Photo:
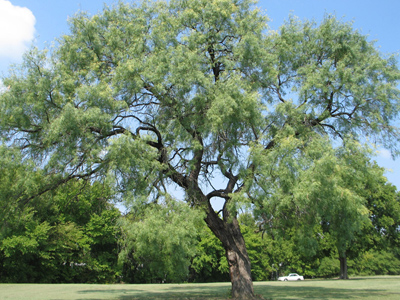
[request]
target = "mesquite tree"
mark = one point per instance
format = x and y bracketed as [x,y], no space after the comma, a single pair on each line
[194,93]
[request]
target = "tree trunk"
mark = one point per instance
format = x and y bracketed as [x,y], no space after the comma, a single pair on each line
[228,232]
[343,266]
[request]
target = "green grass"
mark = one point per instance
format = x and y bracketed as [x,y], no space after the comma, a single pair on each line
[380,287]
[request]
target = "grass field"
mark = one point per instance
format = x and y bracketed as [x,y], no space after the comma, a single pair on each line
[385,287]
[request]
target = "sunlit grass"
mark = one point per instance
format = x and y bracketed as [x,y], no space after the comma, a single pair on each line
[378,287]
[387,288]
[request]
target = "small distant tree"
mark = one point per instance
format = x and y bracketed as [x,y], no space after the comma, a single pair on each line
[195,94]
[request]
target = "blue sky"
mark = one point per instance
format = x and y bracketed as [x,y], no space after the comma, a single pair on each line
[40,22]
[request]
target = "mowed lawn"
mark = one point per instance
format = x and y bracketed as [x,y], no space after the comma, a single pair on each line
[379,287]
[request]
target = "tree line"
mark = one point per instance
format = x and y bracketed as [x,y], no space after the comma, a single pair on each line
[76,235]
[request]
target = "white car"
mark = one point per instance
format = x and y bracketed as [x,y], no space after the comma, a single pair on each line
[292,276]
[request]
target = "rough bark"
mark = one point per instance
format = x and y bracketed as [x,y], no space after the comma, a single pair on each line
[228,232]
[343,266]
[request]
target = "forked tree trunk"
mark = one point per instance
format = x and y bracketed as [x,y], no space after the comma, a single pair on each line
[343,266]
[228,232]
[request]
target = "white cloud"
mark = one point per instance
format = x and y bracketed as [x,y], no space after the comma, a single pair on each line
[17,29]
[384,153]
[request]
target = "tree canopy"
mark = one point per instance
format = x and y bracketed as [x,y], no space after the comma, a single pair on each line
[201,95]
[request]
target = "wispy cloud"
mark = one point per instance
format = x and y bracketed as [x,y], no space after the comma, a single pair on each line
[384,153]
[17,29]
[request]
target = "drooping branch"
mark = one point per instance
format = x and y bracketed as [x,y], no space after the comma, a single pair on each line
[54,185]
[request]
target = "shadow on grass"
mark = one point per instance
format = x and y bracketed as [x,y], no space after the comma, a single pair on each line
[166,293]
[269,291]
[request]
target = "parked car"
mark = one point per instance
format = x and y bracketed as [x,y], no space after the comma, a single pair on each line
[291,276]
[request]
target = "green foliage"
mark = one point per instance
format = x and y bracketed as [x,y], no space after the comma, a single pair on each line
[318,190]
[257,247]
[158,243]
[189,78]
[331,61]
[24,257]
[69,235]
[209,263]
[272,256]
[377,263]
[383,202]
[329,267]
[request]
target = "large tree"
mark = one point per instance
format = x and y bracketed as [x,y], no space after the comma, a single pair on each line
[194,93]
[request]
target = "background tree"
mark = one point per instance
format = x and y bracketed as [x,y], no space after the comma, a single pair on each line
[158,243]
[195,94]
[209,264]
[383,202]
[321,195]
[380,240]
[68,235]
